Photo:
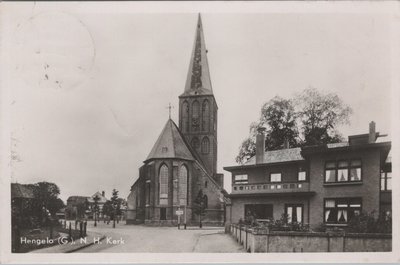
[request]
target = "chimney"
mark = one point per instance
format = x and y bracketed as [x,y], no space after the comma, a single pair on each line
[260,145]
[286,144]
[103,193]
[372,133]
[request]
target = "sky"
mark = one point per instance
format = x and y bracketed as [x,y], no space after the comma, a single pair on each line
[88,91]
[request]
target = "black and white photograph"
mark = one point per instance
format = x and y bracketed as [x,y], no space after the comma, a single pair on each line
[207,132]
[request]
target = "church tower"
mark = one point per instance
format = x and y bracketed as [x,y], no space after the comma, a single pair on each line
[197,106]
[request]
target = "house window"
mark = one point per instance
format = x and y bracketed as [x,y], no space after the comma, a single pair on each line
[330,172]
[294,213]
[301,175]
[163,180]
[343,171]
[386,181]
[340,211]
[241,179]
[275,177]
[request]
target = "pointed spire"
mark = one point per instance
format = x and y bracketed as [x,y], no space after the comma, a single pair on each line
[198,80]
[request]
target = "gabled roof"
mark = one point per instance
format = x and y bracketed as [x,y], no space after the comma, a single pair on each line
[101,197]
[170,144]
[77,199]
[21,191]
[278,156]
[198,81]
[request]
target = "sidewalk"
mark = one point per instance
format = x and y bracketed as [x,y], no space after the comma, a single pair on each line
[68,247]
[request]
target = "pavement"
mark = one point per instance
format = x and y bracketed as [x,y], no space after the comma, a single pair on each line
[139,238]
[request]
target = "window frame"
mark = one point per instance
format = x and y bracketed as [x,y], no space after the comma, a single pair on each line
[385,179]
[295,205]
[165,197]
[349,167]
[300,170]
[336,199]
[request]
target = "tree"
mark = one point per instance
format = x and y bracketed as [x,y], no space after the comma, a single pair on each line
[319,115]
[310,118]
[108,209]
[279,117]
[116,204]
[200,206]
[95,208]
[47,201]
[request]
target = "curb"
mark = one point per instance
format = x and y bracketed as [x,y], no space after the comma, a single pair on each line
[84,246]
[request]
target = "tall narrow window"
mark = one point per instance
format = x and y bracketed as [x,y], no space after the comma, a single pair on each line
[185,117]
[330,172]
[205,145]
[183,185]
[163,180]
[343,171]
[195,143]
[205,124]
[195,115]
[386,181]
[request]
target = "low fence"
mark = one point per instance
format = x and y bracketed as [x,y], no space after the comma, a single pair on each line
[263,240]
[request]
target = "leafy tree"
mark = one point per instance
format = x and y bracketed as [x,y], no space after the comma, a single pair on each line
[46,194]
[319,116]
[200,206]
[116,205]
[95,208]
[279,117]
[108,209]
[310,118]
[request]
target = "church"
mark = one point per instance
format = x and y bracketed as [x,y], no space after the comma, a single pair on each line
[178,182]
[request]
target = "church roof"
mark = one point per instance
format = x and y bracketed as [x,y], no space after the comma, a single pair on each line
[198,80]
[170,144]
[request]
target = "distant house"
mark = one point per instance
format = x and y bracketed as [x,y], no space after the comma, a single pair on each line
[22,199]
[102,200]
[326,184]
[76,207]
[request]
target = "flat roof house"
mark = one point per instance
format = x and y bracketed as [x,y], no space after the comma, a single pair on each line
[315,184]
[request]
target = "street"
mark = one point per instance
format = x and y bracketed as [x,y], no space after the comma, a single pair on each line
[140,238]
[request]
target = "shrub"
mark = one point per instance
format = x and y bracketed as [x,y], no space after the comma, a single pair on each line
[367,223]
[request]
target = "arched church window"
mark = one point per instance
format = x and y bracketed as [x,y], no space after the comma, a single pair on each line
[163,180]
[205,124]
[185,117]
[195,143]
[205,145]
[205,201]
[195,115]
[183,185]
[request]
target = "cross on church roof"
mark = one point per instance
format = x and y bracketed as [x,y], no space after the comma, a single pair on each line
[169,109]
